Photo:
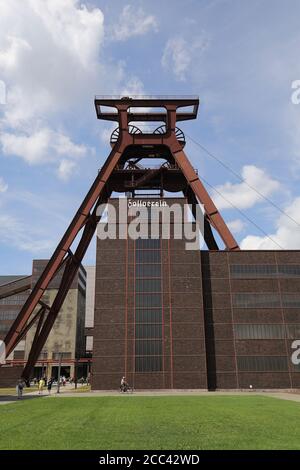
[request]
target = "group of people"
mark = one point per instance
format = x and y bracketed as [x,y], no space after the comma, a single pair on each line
[42,383]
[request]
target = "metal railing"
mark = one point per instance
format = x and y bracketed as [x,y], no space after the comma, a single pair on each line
[147,97]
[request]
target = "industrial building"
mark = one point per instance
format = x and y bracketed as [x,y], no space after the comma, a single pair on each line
[199,319]
[66,342]
[166,317]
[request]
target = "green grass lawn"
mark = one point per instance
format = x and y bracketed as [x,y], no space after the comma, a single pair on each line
[165,422]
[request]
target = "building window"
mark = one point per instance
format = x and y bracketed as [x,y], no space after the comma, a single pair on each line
[256,271]
[148,285]
[255,300]
[262,363]
[147,244]
[148,306]
[147,270]
[148,300]
[148,331]
[293,331]
[244,331]
[4,328]
[19,299]
[151,315]
[148,363]
[19,355]
[291,300]
[9,315]
[147,256]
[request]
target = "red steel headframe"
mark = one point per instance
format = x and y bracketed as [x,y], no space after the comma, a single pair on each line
[123,110]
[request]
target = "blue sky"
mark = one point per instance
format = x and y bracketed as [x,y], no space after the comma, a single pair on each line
[240,57]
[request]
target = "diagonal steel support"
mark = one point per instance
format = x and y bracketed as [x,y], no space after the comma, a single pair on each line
[208,234]
[55,263]
[212,213]
[66,282]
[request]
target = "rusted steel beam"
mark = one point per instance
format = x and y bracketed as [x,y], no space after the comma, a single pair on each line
[30,324]
[208,234]
[211,211]
[67,279]
[57,258]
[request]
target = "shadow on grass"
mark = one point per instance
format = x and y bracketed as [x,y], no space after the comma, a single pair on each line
[12,398]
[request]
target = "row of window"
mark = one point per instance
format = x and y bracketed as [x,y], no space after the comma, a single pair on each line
[153,315]
[147,244]
[148,300]
[148,363]
[147,256]
[4,328]
[148,331]
[147,270]
[262,363]
[241,271]
[151,347]
[265,300]
[251,331]
[148,285]
[14,300]
[148,336]
[9,315]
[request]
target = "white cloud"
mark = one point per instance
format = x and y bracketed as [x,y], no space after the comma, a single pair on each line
[14,233]
[241,195]
[66,169]
[40,147]
[133,22]
[286,235]
[51,63]
[49,55]
[3,185]
[179,53]
[134,86]
[236,225]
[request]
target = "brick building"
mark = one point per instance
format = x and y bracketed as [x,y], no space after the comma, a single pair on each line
[167,317]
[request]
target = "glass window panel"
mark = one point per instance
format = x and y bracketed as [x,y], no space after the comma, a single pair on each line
[9,315]
[148,331]
[148,316]
[14,300]
[147,300]
[147,244]
[293,331]
[240,271]
[262,363]
[291,300]
[148,364]
[249,300]
[147,256]
[244,331]
[148,285]
[147,270]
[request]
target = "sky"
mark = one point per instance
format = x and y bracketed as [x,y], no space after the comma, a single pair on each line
[241,58]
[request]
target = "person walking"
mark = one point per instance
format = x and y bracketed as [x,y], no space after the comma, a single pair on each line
[20,387]
[49,386]
[41,386]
